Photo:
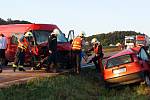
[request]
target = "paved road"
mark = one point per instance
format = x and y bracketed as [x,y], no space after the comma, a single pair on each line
[8,77]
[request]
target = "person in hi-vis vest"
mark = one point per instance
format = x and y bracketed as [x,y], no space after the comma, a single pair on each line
[23,45]
[98,54]
[77,45]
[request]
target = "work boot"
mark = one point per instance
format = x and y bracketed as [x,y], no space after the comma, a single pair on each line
[22,69]
[14,67]
[32,69]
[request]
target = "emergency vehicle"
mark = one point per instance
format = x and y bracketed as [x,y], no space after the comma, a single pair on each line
[129,41]
[142,40]
[40,33]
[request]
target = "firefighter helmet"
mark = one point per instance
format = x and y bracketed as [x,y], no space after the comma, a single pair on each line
[82,34]
[94,40]
[28,34]
[55,31]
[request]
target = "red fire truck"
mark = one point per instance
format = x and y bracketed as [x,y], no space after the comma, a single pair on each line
[41,33]
[142,40]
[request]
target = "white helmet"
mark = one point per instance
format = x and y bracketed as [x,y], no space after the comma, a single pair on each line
[55,31]
[94,40]
[28,34]
[82,34]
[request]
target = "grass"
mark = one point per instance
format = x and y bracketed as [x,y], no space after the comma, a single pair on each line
[86,86]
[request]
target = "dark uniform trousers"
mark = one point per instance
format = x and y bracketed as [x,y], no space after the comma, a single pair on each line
[20,57]
[97,62]
[2,58]
[52,59]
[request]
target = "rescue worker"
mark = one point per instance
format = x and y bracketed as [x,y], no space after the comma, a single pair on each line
[34,52]
[77,46]
[23,45]
[3,47]
[52,48]
[98,54]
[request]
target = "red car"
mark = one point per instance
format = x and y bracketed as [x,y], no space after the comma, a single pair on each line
[128,66]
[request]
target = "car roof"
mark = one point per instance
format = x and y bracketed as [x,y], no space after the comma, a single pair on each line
[133,50]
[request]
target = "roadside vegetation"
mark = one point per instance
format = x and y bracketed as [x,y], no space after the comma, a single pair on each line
[112,37]
[86,86]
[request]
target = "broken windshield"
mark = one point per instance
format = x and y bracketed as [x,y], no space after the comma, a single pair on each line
[42,36]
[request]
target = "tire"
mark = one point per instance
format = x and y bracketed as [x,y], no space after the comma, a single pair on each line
[147,80]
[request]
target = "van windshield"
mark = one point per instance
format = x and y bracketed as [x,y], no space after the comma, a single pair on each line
[42,36]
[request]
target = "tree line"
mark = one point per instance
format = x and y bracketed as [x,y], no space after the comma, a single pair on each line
[10,21]
[112,37]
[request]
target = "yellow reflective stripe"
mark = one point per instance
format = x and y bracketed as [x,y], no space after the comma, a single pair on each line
[14,66]
[22,47]
[20,66]
[78,48]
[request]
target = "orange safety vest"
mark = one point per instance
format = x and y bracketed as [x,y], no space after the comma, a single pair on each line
[23,44]
[77,43]
[35,50]
[96,49]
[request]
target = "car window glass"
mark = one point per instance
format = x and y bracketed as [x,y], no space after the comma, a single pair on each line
[41,36]
[61,38]
[143,55]
[119,61]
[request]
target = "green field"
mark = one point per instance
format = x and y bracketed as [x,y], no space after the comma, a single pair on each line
[86,86]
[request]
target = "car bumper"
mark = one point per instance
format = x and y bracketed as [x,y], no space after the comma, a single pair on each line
[126,79]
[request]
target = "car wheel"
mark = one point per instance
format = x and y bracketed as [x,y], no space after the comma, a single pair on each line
[147,80]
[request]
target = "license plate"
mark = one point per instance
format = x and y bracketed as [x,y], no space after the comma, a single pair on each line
[121,70]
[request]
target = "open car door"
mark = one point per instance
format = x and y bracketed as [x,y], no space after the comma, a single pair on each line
[71,36]
[70,39]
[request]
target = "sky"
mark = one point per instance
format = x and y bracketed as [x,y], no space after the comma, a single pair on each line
[91,16]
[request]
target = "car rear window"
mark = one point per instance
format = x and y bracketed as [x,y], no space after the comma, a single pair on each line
[119,61]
